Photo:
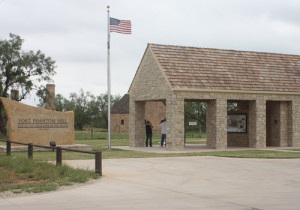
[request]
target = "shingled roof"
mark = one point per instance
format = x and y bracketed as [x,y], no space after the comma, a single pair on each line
[122,107]
[216,69]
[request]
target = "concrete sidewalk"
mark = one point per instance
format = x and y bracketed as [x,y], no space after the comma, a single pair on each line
[190,148]
[177,183]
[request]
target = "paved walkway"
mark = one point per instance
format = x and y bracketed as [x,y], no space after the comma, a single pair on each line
[177,183]
[189,148]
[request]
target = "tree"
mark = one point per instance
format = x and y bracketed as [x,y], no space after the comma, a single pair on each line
[88,109]
[81,111]
[59,104]
[103,100]
[195,111]
[22,71]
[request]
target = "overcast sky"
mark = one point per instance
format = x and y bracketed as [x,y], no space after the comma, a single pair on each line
[74,33]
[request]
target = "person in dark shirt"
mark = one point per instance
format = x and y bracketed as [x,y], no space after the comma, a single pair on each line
[149,133]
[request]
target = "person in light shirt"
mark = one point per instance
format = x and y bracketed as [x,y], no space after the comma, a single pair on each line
[163,132]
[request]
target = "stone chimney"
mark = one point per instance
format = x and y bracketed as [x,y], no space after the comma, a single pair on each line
[14,95]
[50,98]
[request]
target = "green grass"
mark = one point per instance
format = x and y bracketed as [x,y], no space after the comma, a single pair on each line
[101,144]
[296,150]
[24,175]
[253,154]
[123,140]
[98,134]
[195,135]
[119,153]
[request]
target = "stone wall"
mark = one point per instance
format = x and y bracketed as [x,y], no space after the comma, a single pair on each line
[155,111]
[284,123]
[149,84]
[210,123]
[28,124]
[175,123]
[137,124]
[120,123]
[50,97]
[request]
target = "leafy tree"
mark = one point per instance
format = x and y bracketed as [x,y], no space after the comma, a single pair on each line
[195,111]
[231,106]
[21,70]
[81,111]
[88,109]
[59,103]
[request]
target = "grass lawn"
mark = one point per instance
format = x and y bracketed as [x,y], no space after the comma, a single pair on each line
[24,175]
[83,137]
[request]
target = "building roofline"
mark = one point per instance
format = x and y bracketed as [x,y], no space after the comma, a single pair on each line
[222,49]
[233,91]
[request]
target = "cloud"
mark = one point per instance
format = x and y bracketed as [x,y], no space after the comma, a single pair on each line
[74,32]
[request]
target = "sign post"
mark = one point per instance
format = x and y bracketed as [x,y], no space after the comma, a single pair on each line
[192,124]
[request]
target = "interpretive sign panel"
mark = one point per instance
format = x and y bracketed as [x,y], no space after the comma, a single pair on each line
[39,126]
[237,123]
[192,123]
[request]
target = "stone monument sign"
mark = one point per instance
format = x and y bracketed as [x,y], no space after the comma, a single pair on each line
[28,124]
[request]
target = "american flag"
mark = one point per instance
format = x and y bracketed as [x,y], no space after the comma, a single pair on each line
[120,26]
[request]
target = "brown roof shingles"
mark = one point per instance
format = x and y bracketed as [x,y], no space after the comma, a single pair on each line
[122,107]
[205,68]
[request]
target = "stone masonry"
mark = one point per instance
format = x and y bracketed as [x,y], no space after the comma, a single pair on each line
[152,83]
[155,111]
[120,123]
[50,98]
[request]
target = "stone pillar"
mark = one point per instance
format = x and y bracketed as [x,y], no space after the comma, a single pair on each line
[50,97]
[221,119]
[283,123]
[175,123]
[295,127]
[137,123]
[211,124]
[216,124]
[257,123]
[290,124]
[14,95]
[252,124]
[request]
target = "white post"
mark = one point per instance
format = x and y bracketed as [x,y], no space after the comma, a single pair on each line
[108,78]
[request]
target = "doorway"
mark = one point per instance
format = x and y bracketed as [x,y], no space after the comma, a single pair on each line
[195,122]
[273,124]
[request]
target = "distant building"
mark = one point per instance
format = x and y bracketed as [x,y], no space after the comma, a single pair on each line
[120,116]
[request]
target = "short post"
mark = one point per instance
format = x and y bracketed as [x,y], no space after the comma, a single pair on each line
[58,156]
[8,148]
[92,132]
[30,150]
[98,163]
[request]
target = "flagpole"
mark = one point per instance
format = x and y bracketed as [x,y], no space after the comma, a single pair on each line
[108,78]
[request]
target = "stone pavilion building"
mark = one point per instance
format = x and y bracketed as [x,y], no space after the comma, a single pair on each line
[264,88]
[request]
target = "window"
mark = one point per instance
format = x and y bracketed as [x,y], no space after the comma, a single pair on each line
[122,122]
